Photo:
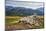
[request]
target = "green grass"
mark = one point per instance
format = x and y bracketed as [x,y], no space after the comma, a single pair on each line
[10,19]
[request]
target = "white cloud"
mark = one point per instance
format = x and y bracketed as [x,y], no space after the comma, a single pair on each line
[27,0]
[24,4]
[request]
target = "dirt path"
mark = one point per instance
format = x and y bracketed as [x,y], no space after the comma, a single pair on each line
[19,26]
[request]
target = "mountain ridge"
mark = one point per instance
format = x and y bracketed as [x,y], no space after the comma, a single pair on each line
[11,11]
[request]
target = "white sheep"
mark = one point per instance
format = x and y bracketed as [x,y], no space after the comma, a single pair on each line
[27,19]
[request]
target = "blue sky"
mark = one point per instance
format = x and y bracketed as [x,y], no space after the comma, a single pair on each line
[30,4]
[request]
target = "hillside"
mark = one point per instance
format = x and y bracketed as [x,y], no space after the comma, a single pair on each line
[21,11]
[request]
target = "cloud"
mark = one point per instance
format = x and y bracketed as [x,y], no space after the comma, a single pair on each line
[18,0]
[24,4]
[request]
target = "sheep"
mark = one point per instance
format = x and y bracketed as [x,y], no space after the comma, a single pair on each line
[26,20]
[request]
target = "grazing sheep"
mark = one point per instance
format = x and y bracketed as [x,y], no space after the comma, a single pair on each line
[26,20]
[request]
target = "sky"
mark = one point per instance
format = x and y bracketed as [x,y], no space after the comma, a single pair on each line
[28,0]
[29,4]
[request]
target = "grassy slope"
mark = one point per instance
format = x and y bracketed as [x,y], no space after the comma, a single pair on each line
[13,19]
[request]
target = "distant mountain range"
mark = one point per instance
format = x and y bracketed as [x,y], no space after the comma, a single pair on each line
[22,11]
